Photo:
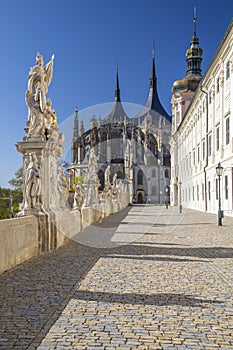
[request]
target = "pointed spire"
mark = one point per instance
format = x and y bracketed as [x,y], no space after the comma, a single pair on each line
[195,22]
[153,74]
[117,112]
[117,89]
[75,136]
[82,129]
[194,53]
[153,102]
[76,128]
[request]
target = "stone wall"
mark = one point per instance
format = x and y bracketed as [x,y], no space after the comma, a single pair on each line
[18,241]
[26,237]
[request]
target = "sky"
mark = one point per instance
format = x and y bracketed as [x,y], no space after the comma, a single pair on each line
[88,39]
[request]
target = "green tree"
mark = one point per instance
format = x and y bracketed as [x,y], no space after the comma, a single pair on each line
[78,179]
[17,181]
[4,203]
[17,192]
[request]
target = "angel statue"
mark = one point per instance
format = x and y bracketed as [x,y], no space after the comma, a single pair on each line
[39,78]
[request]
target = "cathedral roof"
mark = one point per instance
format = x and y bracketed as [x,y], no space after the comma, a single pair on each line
[153,106]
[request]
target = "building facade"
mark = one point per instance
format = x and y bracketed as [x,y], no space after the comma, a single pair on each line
[136,149]
[202,130]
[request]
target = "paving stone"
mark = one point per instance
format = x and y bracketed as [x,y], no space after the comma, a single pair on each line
[171,288]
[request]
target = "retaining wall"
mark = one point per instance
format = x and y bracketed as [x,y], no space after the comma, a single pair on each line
[29,236]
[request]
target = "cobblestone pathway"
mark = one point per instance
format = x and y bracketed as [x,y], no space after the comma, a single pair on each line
[164,282]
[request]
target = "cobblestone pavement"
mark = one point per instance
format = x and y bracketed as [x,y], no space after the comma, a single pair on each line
[169,287]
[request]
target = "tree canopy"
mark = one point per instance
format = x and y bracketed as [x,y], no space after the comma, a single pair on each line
[10,198]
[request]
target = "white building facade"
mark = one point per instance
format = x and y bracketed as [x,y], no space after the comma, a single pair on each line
[202,131]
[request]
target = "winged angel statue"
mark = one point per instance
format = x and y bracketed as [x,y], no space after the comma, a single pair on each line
[39,78]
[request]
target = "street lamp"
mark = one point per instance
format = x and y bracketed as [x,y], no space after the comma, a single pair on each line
[180,197]
[166,190]
[219,170]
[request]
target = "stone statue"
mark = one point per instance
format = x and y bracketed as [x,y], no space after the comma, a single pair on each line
[78,196]
[92,164]
[38,81]
[114,187]
[114,181]
[107,185]
[63,187]
[107,177]
[49,116]
[52,131]
[91,182]
[32,184]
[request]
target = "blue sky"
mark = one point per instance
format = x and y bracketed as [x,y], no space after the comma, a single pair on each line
[88,38]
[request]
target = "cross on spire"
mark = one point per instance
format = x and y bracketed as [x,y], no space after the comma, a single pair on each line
[195,21]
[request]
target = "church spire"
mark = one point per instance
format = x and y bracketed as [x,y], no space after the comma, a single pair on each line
[76,128]
[117,89]
[75,137]
[194,53]
[117,113]
[195,22]
[153,74]
[153,101]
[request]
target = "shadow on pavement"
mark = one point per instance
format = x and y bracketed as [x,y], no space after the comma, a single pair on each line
[134,250]
[159,299]
[34,294]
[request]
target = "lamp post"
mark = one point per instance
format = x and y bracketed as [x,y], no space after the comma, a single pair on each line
[219,170]
[166,190]
[180,197]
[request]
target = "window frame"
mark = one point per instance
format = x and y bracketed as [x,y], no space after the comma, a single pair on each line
[227,130]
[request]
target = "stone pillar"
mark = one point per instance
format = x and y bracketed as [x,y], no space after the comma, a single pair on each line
[41,146]
[46,154]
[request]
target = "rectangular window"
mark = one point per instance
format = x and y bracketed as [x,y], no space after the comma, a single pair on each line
[217,85]
[217,138]
[198,192]
[209,145]
[203,150]
[227,70]
[210,99]
[209,190]
[198,154]
[216,184]
[203,106]
[226,187]
[227,131]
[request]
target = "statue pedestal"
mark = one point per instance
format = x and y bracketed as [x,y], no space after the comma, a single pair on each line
[46,154]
